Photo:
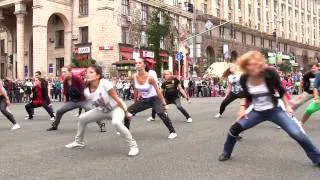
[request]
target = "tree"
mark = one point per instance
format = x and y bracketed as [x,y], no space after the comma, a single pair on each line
[156,32]
[285,67]
[264,52]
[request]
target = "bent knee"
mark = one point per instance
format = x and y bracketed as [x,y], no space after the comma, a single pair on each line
[236,129]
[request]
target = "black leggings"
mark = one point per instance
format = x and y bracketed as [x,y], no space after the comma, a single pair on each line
[176,102]
[4,110]
[154,103]
[229,99]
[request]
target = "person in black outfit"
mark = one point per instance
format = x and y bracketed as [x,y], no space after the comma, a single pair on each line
[40,98]
[171,88]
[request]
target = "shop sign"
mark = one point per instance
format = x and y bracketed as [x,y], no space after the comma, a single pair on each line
[148,54]
[84,50]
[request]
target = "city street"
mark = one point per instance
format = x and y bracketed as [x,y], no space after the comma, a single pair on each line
[265,152]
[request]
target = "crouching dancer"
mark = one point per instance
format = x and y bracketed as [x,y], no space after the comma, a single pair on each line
[107,104]
[260,85]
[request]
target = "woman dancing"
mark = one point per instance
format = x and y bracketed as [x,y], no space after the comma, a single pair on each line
[4,103]
[234,90]
[107,104]
[151,97]
[260,85]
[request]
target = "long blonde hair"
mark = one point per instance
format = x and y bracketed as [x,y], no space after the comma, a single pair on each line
[244,59]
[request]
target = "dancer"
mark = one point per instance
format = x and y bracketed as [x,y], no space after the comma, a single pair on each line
[45,85]
[153,74]
[234,90]
[151,97]
[40,98]
[74,97]
[171,88]
[4,104]
[260,85]
[315,105]
[307,86]
[107,104]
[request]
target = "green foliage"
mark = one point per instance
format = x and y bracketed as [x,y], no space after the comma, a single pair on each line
[155,32]
[285,67]
[264,52]
[81,63]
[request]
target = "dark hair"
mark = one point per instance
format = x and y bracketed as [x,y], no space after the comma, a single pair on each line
[97,69]
[313,64]
[38,72]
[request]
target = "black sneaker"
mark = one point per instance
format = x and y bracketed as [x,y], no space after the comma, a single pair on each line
[224,157]
[52,129]
[103,127]
[239,137]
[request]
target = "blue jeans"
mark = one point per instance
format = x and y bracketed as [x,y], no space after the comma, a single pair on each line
[281,118]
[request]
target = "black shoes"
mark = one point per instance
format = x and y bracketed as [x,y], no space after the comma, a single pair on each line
[224,157]
[52,128]
[103,127]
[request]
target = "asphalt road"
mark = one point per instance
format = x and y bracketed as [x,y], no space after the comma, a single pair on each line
[264,153]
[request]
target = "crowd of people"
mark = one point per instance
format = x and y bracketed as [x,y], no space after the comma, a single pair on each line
[264,92]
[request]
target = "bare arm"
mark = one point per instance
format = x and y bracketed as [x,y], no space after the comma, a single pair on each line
[228,88]
[112,93]
[4,92]
[159,93]
[182,91]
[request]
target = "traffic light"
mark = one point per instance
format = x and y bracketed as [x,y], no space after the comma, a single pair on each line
[11,59]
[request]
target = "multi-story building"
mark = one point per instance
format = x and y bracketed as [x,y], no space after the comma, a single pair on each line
[45,35]
[291,27]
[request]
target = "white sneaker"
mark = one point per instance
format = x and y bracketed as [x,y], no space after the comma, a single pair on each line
[218,115]
[52,119]
[16,126]
[278,127]
[76,115]
[150,119]
[33,115]
[172,135]
[75,145]
[189,120]
[133,151]
[118,133]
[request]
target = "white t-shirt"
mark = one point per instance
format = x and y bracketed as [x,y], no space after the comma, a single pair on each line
[100,97]
[234,80]
[261,98]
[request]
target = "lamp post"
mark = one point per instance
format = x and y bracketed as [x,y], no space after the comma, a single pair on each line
[194,73]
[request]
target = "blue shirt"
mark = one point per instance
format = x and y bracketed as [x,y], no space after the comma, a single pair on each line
[317,82]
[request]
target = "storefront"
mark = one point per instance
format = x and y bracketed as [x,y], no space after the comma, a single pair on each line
[82,55]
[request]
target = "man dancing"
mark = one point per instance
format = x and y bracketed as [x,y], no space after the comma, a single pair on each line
[74,97]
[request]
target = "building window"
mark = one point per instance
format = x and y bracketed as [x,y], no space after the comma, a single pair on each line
[270,44]
[221,31]
[262,42]
[84,32]
[125,7]
[244,38]
[160,17]
[83,7]
[125,35]
[2,46]
[144,40]
[144,12]
[161,43]
[253,40]
[205,8]
[59,39]
[285,47]
[176,21]
[59,65]
[175,2]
